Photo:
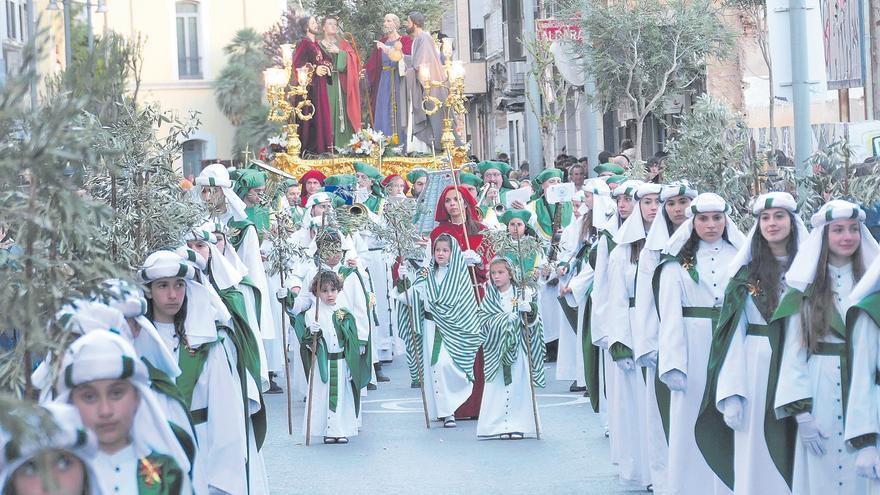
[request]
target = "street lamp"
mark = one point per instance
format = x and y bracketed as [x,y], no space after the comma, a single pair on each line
[455,97]
[68,49]
[279,92]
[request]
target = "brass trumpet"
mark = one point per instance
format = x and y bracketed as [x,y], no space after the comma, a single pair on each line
[356,209]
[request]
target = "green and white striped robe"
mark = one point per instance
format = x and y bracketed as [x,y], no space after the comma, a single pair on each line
[505,339]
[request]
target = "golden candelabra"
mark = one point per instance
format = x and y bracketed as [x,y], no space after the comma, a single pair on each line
[280,91]
[455,98]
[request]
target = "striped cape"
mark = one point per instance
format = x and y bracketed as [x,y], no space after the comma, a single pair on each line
[505,339]
[453,309]
[404,330]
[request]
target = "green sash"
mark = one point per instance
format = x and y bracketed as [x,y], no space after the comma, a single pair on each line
[159,474]
[162,384]
[592,356]
[544,213]
[237,231]
[191,367]
[259,216]
[374,203]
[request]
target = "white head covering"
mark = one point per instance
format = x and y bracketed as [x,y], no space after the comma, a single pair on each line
[628,187]
[704,203]
[229,252]
[106,356]
[217,175]
[803,269]
[223,272]
[68,435]
[603,206]
[201,308]
[307,220]
[659,233]
[633,227]
[761,203]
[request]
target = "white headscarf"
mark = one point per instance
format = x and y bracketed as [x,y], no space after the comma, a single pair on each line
[628,187]
[201,308]
[217,175]
[659,233]
[633,227]
[69,435]
[802,272]
[704,203]
[769,200]
[604,207]
[107,356]
[223,272]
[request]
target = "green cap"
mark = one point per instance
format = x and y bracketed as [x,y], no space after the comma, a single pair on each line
[416,174]
[489,164]
[545,175]
[615,179]
[604,168]
[368,170]
[470,179]
[509,215]
[248,179]
[341,180]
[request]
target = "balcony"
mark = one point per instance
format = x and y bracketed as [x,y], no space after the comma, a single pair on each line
[516,76]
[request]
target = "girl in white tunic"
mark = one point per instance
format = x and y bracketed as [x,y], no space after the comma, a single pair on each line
[599,326]
[506,411]
[737,431]
[691,288]
[862,413]
[813,379]
[628,400]
[447,320]
[185,316]
[676,199]
[343,368]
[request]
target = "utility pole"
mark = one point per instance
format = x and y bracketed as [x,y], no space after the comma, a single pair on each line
[533,130]
[873,54]
[68,49]
[800,90]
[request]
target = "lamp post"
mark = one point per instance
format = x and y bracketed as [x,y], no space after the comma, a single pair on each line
[279,92]
[68,49]
[455,98]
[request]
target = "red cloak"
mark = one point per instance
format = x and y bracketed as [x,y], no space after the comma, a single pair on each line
[316,134]
[351,85]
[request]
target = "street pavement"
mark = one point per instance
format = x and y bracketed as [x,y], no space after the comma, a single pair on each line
[395,454]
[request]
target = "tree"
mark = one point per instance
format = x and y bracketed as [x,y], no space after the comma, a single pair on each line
[710,150]
[554,94]
[239,91]
[643,52]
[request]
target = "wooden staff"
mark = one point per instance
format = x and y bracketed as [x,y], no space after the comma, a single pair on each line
[286,360]
[417,350]
[467,241]
[528,342]
[314,338]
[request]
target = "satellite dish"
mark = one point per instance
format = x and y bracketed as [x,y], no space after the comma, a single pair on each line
[568,62]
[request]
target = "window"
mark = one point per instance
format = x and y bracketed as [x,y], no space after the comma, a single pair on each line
[188,61]
[193,154]
[513,17]
[12,26]
[478,45]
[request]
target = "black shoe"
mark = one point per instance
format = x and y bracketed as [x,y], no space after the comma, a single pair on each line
[381,377]
[586,393]
[370,386]
[415,384]
[273,388]
[574,387]
[386,361]
[552,350]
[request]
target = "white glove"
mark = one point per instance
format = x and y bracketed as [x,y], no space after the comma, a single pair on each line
[810,433]
[403,270]
[732,408]
[649,360]
[603,343]
[471,257]
[362,349]
[314,327]
[676,380]
[626,364]
[281,293]
[868,463]
[524,306]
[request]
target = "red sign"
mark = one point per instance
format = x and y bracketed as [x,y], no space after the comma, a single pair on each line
[553,29]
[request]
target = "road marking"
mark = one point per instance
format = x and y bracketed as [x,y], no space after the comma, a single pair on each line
[414,405]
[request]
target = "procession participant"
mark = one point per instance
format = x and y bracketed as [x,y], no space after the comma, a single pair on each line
[506,314]
[472,183]
[676,199]
[425,130]
[312,181]
[316,133]
[250,186]
[369,190]
[289,197]
[418,178]
[58,460]
[577,174]
[690,290]
[608,169]
[388,94]
[576,285]
[737,426]
[623,197]
[456,215]
[396,187]
[814,377]
[447,322]
[517,222]
[343,86]
[497,174]
[182,312]
[341,359]
[863,324]
[138,452]
[628,395]
[615,180]
[228,209]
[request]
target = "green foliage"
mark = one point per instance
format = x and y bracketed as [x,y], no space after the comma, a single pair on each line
[239,87]
[254,131]
[710,150]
